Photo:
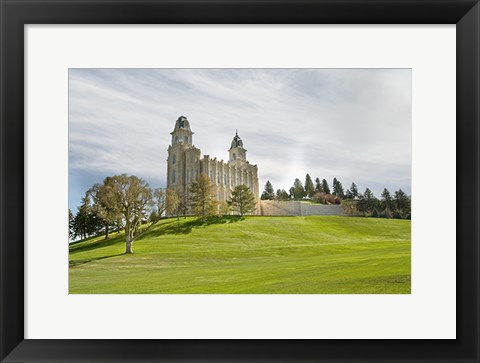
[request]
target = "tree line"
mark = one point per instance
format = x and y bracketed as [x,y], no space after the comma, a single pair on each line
[366,204]
[126,202]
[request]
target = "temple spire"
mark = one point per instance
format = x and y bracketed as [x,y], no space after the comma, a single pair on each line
[182,132]
[237,152]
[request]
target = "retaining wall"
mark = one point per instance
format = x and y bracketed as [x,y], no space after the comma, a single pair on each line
[297,208]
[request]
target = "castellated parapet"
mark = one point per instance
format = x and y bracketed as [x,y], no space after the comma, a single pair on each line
[185,164]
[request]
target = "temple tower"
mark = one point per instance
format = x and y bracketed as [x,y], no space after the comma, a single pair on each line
[236,151]
[181,155]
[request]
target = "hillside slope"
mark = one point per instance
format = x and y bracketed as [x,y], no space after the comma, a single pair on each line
[255,255]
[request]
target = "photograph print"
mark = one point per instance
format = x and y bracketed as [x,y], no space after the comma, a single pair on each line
[240,181]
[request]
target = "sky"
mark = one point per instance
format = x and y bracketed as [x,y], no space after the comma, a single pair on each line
[352,124]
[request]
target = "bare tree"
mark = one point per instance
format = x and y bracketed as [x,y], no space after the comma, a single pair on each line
[105,207]
[183,203]
[159,205]
[201,197]
[172,202]
[132,196]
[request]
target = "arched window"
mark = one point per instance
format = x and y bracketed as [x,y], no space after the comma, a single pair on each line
[176,139]
[186,139]
[174,176]
[174,159]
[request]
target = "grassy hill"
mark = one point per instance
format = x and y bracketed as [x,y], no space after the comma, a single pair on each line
[254,255]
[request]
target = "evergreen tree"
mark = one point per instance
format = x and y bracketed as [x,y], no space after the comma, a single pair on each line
[368,195]
[325,187]
[402,204]
[269,193]
[282,194]
[354,191]
[338,188]
[81,219]
[367,203]
[318,186]
[242,200]
[297,191]
[202,199]
[387,201]
[71,225]
[85,221]
[348,194]
[334,186]
[309,188]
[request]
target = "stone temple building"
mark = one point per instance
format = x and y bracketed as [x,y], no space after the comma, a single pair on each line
[185,163]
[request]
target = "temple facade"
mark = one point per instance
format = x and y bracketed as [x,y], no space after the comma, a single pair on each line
[185,163]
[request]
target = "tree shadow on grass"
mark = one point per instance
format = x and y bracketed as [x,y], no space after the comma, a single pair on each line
[76,263]
[91,243]
[83,240]
[82,247]
[185,227]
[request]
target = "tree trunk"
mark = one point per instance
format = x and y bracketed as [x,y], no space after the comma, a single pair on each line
[106,230]
[129,238]
[129,248]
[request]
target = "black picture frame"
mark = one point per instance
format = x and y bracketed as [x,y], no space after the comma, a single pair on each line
[15,14]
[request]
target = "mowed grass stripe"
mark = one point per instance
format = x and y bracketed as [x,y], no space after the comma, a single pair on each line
[315,254]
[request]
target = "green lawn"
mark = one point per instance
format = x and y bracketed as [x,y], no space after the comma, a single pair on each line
[254,255]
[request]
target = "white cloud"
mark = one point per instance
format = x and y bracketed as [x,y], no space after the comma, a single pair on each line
[354,124]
